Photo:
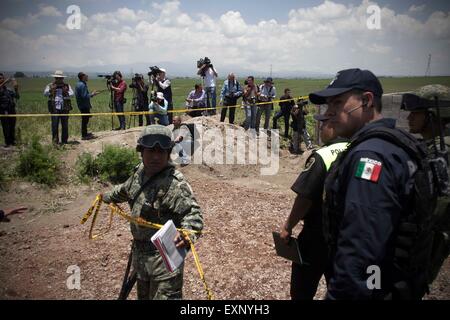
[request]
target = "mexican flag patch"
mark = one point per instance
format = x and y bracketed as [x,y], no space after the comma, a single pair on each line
[369,169]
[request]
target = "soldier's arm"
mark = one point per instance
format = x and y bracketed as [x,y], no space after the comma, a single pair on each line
[372,209]
[119,193]
[181,201]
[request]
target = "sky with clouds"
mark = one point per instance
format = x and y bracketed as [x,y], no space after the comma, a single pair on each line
[293,36]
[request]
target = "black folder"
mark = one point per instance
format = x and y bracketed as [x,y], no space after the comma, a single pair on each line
[288,250]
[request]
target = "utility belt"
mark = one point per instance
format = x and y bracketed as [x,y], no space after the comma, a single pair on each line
[146,246]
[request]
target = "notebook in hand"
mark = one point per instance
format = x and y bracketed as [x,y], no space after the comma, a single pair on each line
[289,250]
[172,256]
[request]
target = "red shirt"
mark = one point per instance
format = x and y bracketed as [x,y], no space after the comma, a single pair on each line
[119,95]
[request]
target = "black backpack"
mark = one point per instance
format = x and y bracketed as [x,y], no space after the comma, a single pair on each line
[422,239]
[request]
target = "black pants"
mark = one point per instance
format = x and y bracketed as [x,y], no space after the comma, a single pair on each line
[286,116]
[223,113]
[9,128]
[305,278]
[64,126]
[84,123]
[119,108]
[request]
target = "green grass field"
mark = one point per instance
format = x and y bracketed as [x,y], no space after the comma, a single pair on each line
[33,101]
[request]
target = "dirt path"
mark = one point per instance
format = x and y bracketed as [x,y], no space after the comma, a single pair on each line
[240,210]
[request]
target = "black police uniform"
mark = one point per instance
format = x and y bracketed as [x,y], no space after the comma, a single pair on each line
[8,106]
[309,184]
[362,214]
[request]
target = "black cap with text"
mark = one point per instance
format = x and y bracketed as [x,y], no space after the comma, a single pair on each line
[347,80]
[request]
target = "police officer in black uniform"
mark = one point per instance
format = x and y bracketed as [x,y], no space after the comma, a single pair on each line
[8,106]
[308,206]
[367,189]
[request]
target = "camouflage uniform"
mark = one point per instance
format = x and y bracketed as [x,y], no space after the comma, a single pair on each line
[167,197]
[429,93]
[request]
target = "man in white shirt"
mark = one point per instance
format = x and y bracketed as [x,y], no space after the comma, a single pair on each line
[183,140]
[59,103]
[160,107]
[209,75]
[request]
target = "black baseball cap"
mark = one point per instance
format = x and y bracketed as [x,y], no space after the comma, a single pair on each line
[347,80]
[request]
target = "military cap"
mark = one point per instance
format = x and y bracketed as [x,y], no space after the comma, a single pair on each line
[424,99]
[155,134]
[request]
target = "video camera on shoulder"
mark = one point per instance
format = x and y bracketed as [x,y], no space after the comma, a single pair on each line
[154,71]
[203,61]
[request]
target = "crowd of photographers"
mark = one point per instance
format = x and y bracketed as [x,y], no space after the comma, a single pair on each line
[155,96]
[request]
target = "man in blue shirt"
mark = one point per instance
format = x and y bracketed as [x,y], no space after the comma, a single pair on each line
[231,92]
[367,190]
[84,103]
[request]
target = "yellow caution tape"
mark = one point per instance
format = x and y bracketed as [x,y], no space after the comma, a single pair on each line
[116,209]
[133,113]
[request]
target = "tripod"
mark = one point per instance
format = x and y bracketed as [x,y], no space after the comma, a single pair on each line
[134,107]
[111,102]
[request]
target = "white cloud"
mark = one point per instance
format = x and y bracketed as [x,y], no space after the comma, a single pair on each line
[31,18]
[415,8]
[232,24]
[323,38]
[48,11]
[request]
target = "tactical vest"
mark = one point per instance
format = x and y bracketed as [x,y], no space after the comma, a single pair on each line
[330,153]
[415,234]
[6,100]
[67,103]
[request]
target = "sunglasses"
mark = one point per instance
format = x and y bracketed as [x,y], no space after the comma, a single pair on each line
[150,141]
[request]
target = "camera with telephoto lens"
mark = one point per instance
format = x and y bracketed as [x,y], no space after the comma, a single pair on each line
[302,102]
[137,77]
[154,71]
[109,79]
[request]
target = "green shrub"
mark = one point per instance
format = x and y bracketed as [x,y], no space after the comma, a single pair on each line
[38,163]
[115,164]
[86,167]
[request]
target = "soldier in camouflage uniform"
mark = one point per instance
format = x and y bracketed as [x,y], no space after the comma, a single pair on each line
[422,119]
[157,193]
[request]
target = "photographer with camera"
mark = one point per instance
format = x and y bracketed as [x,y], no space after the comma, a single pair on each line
[140,97]
[158,78]
[119,86]
[83,98]
[299,127]
[209,74]
[285,111]
[8,106]
[159,105]
[59,104]
[267,93]
[196,99]
[249,99]
[231,92]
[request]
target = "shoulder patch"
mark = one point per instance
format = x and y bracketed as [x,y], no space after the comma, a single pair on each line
[369,169]
[309,163]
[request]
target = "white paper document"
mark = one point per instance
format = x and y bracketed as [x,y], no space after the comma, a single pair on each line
[163,239]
